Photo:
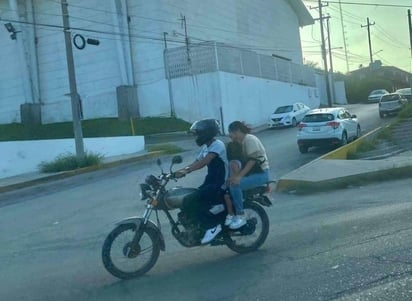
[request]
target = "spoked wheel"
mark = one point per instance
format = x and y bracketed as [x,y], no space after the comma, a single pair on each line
[122,259]
[252,235]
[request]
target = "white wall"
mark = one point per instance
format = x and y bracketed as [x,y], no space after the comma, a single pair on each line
[241,102]
[239,97]
[264,26]
[20,157]
[340,93]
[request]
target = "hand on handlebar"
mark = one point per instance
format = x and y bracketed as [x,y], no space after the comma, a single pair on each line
[180,173]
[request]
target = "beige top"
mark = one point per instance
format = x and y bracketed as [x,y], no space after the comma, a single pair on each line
[253,148]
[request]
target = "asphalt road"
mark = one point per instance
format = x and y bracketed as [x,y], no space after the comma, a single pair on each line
[352,244]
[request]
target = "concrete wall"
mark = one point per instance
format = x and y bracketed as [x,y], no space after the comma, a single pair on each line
[36,72]
[228,97]
[24,156]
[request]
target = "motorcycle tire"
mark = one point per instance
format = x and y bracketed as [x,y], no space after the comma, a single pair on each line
[233,239]
[108,256]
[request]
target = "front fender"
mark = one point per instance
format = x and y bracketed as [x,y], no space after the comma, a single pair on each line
[138,221]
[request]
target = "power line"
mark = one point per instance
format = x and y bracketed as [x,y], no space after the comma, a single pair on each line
[365,4]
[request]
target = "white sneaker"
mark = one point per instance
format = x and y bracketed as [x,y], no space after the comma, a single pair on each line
[211,234]
[237,222]
[229,219]
[216,209]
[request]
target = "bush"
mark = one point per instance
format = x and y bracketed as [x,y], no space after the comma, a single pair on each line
[69,161]
[406,112]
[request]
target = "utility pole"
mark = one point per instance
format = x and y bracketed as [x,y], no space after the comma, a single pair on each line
[169,80]
[368,25]
[325,63]
[75,100]
[332,79]
[344,37]
[410,28]
[410,38]
[183,20]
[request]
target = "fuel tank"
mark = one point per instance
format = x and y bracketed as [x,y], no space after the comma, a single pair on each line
[174,197]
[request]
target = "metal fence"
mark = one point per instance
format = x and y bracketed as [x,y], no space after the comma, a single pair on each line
[211,57]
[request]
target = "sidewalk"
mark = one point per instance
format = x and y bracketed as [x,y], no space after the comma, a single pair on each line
[326,174]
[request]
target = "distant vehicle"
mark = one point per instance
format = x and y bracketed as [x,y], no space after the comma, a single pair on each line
[376,95]
[327,126]
[289,115]
[406,92]
[391,104]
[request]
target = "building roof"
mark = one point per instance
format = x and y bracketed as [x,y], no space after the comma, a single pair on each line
[305,18]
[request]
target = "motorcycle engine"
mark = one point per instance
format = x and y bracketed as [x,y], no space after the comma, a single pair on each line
[192,233]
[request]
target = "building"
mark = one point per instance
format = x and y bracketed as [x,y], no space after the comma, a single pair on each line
[224,59]
[397,77]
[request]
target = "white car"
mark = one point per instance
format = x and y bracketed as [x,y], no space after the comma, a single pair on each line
[376,95]
[327,126]
[289,115]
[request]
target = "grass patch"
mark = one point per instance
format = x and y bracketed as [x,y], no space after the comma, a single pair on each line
[166,148]
[103,127]
[406,112]
[385,134]
[69,162]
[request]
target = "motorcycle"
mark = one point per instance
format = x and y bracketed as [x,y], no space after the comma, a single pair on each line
[132,248]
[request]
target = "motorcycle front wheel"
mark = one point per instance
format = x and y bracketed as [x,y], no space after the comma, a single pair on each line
[252,235]
[122,259]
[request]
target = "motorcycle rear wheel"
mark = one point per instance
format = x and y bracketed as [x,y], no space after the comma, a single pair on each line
[122,260]
[251,236]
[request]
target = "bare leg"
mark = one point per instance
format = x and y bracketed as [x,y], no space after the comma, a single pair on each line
[229,204]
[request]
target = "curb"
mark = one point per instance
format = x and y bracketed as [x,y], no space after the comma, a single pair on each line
[309,187]
[306,187]
[71,173]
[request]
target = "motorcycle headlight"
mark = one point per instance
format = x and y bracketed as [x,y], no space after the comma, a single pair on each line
[145,191]
[152,181]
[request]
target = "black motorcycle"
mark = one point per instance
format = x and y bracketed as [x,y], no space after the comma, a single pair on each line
[134,245]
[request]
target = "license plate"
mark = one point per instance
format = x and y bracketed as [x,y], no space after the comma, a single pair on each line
[316,129]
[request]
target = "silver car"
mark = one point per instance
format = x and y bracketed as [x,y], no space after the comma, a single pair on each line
[391,104]
[376,95]
[406,92]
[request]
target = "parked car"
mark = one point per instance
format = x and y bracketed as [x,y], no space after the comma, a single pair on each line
[406,92]
[327,126]
[391,104]
[289,115]
[376,95]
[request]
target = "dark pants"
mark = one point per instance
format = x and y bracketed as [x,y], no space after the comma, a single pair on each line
[209,195]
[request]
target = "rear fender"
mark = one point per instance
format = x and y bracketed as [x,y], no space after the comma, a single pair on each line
[138,221]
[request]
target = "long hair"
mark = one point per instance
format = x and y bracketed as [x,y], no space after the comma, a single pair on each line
[239,126]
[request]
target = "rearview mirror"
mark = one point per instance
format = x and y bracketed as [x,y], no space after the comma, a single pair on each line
[177,159]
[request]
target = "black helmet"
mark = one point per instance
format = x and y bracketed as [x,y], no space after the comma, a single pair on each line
[205,130]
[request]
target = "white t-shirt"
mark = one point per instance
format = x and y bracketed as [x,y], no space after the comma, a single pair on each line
[218,167]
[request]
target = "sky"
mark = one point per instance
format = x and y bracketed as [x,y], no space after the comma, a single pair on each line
[389,35]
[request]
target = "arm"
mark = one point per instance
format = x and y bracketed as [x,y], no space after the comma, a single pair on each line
[198,164]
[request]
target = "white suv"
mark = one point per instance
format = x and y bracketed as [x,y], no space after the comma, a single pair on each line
[327,126]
